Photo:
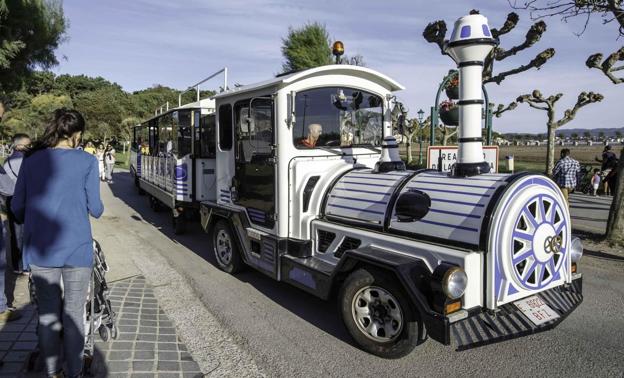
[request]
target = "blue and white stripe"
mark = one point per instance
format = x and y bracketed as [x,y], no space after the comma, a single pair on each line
[457,205]
[363,196]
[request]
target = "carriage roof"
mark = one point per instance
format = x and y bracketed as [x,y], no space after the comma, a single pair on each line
[336,69]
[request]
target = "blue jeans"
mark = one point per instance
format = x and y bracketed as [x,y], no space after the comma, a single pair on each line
[61,309]
[3,265]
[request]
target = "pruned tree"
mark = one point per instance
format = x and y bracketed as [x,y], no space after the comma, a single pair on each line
[355,60]
[435,32]
[447,132]
[608,10]
[537,101]
[414,128]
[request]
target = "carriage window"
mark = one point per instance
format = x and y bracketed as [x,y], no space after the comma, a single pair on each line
[166,125]
[336,116]
[207,136]
[254,129]
[184,133]
[225,127]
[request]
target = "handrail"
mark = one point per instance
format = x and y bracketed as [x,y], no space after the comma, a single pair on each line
[196,86]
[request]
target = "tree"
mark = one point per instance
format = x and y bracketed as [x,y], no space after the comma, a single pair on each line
[435,32]
[538,101]
[618,134]
[30,31]
[601,135]
[306,47]
[608,10]
[586,135]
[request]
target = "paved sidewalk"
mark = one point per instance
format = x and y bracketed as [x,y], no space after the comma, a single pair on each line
[147,344]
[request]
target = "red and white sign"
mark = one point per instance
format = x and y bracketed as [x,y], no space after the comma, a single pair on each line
[447,155]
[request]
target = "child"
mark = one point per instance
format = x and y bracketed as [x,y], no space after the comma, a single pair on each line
[596,181]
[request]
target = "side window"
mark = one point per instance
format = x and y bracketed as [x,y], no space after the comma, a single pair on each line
[254,129]
[225,127]
[208,139]
[184,133]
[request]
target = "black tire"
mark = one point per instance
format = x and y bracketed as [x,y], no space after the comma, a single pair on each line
[407,333]
[155,204]
[225,248]
[179,224]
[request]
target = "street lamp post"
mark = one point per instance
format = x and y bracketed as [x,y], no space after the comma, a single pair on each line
[420,113]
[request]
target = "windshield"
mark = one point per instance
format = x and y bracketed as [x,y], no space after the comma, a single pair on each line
[337,117]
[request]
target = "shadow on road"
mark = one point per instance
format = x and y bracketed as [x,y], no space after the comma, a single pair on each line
[321,314]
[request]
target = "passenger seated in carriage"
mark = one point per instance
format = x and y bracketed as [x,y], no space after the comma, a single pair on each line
[314,132]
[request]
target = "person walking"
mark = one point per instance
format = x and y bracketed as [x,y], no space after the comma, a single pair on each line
[109,163]
[565,173]
[12,165]
[6,314]
[595,181]
[609,162]
[90,148]
[20,145]
[56,191]
[99,153]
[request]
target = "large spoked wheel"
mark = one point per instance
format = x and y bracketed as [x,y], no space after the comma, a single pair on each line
[378,315]
[225,248]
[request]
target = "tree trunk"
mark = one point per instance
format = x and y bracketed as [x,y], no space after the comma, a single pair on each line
[408,143]
[550,150]
[615,224]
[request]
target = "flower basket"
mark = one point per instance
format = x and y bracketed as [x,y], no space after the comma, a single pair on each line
[452,92]
[450,117]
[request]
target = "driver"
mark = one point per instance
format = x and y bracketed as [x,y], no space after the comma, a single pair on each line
[314,131]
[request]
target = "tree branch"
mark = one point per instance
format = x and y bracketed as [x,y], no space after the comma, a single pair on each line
[509,25]
[584,98]
[594,61]
[500,109]
[435,32]
[532,37]
[537,62]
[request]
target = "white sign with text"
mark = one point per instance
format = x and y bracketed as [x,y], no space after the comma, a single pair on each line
[447,155]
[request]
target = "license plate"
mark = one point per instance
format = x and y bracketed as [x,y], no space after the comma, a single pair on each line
[536,310]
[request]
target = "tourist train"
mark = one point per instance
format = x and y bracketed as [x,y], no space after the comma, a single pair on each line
[299,177]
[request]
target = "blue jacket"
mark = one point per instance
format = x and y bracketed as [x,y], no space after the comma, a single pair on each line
[55,192]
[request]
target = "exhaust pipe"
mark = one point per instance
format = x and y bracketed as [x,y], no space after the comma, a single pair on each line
[471,42]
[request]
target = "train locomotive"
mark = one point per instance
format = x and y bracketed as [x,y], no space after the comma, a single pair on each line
[310,190]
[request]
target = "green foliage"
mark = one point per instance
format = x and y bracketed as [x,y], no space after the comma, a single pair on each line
[30,31]
[306,47]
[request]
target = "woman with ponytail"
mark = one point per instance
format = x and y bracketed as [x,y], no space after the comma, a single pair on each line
[57,189]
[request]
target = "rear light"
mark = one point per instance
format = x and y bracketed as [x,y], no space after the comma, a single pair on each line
[573,267]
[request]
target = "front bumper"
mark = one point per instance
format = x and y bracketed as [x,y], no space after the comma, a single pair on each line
[509,322]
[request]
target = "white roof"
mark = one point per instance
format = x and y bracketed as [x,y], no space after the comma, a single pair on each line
[344,69]
[204,103]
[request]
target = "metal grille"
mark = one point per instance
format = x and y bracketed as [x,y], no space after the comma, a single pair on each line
[325,238]
[347,244]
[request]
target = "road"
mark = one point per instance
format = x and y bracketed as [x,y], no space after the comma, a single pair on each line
[292,334]
[589,213]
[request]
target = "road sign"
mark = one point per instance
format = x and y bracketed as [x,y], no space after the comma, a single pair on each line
[448,156]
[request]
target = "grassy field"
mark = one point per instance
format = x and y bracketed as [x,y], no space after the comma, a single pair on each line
[533,158]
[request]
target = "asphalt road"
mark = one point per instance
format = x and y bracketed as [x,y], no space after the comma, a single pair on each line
[291,334]
[589,213]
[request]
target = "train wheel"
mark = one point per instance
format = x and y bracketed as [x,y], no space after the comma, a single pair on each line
[378,315]
[225,249]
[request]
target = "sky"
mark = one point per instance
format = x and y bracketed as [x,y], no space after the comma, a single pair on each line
[176,43]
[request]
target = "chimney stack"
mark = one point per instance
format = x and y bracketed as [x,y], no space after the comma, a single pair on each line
[471,42]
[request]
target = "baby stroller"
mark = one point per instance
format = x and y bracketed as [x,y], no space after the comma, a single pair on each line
[99,314]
